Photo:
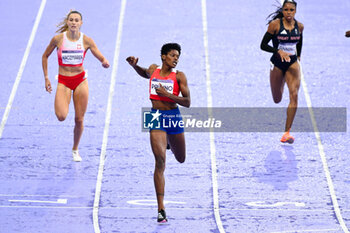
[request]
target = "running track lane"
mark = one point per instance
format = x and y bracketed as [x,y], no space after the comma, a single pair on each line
[129,164]
[37,157]
[254,168]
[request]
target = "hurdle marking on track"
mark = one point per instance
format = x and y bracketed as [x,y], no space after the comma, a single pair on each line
[310,230]
[211,134]
[21,67]
[108,119]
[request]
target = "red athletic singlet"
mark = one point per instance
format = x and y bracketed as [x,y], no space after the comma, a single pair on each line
[169,83]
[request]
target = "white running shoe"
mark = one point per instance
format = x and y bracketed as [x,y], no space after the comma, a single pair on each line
[76,156]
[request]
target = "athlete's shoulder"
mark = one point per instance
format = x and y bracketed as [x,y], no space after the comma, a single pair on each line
[301,26]
[180,74]
[87,39]
[89,43]
[85,36]
[274,26]
[275,22]
[152,68]
[59,36]
[56,40]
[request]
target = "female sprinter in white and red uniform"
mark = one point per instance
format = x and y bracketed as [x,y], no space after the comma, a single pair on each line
[71,47]
[165,85]
[286,35]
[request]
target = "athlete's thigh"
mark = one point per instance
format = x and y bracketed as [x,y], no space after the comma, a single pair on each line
[158,142]
[62,100]
[178,145]
[293,77]
[80,98]
[277,80]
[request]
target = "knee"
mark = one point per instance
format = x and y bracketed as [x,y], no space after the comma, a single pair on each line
[160,163]
[277,99]
[181,160]
[294,98]
[79,121]
[61,117]
[277,96]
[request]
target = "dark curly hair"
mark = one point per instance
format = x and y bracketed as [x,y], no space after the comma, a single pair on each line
[166,48]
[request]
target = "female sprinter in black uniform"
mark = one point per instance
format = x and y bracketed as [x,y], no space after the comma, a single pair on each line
[165,85]
[286,35]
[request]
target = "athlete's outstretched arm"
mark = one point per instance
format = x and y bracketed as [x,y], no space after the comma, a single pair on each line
[185,99]
[143,72]
[95,51]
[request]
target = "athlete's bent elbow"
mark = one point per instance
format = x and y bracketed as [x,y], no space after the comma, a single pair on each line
[188,103]
[45,57]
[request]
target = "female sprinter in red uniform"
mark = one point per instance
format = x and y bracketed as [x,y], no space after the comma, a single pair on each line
[165,85]
[71,47]
[286,35]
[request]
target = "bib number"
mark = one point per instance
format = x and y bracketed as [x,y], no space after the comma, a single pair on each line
[167,84]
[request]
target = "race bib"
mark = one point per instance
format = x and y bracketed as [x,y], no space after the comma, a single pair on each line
[167,84]
[72,57]
[288,47]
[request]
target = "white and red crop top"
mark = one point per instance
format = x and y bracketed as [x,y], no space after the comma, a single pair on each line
[71,53]
[169,83]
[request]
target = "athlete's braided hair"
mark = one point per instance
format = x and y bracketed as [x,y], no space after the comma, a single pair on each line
[166,48]
[278,13]
[62,26]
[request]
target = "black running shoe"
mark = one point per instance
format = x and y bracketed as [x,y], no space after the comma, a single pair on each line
[168,146]
[162,216]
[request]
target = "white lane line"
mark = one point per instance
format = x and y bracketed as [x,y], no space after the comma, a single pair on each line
[311,230]
[21,67]
[323,156]
[147,202]
[58,201]
[108,119]
[211,134]
[35,195]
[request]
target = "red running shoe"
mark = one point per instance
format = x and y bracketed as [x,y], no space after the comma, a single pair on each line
[287,138]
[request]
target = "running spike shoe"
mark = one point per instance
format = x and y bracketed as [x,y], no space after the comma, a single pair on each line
[76,156]
[162,217]
[287,138]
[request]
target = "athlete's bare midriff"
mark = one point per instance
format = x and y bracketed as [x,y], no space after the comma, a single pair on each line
[70,70]
[163,105]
